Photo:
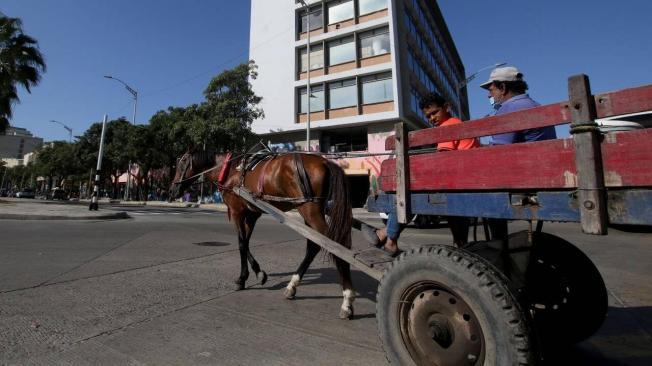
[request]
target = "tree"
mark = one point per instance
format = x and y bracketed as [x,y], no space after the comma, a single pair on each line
[21,63]
[224,119]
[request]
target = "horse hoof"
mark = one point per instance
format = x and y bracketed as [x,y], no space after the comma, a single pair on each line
[264,280]
[239,284]
[290,292]
[346,313]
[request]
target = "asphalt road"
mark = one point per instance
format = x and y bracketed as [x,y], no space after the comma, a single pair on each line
[158,289]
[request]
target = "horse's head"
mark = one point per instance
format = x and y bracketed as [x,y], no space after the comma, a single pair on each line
[183,172]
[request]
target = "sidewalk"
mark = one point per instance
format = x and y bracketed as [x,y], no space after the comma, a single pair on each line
[29,209]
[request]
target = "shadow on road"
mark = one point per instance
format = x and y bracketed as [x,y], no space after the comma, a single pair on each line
[624,339]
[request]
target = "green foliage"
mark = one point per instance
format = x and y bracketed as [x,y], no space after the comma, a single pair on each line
[21,63]
[221,122]
[225,118]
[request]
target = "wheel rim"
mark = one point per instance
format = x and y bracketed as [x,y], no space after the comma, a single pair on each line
[438,327]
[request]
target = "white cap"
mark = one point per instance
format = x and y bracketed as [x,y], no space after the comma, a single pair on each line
[508,73]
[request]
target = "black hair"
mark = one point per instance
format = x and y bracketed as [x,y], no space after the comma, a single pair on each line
[432,98]
[517,87]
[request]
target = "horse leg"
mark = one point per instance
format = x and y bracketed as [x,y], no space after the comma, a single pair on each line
[314,218]
[250,222]
[244,233]
[344,269]
[311,251]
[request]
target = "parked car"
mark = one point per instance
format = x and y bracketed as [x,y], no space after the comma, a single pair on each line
[25,193]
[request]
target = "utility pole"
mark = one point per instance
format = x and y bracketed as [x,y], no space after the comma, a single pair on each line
[308,94]
[96,189]
[134,93]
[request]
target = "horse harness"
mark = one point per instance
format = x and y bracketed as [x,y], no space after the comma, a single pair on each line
[302,176]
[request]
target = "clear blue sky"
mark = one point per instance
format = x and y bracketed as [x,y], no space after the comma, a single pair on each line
[169,50]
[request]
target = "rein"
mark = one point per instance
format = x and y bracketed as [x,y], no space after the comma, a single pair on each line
[304,183]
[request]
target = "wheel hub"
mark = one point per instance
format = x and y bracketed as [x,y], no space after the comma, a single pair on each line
[439,328]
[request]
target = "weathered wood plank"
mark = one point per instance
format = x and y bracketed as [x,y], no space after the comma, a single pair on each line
[632,100]
[402,173]
[627,160]
[307,232]
[610,104]
[588,158]
[554,114]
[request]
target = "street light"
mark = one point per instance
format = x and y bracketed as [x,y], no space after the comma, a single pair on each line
[308,94]
[64,126]
[134,93]
[475,74]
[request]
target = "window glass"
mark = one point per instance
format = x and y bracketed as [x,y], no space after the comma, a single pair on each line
[369,6]
[316,58]
[316,19]
[377,88]
[374,43]
[349,139]
[341,50]
[339,11]
[316,100]
[343,94]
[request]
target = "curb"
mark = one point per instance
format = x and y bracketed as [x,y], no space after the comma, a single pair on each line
[108,216]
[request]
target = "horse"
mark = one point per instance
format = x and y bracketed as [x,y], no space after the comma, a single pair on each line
[313,185]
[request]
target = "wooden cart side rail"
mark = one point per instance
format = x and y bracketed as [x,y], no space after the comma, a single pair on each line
[307,232]
[607,104]
[627,159]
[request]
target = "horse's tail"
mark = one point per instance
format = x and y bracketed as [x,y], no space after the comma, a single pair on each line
[340,215]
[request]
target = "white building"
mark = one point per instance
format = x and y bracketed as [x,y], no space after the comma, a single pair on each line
[370,62]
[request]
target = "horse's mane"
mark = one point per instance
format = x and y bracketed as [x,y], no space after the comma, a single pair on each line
[203,158]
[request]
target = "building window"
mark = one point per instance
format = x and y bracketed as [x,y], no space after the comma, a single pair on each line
[341,50]
[374,43]
[370,6]
[377,88]
[316,19]
[343,94]
[339,11]
[316,99]
[350,139]
[316,58]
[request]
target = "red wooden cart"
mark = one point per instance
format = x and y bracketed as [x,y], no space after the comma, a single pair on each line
[503,301]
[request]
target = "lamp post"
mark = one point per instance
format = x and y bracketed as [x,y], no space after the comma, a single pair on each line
[475,74]
[64,126]
[308,94]
[134,93]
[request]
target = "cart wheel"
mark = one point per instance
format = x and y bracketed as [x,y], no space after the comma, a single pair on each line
[444,306]
[564,291]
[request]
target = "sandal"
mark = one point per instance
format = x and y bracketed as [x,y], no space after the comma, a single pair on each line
[369,233]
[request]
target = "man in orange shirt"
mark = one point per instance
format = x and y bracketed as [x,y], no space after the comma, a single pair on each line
[437,111]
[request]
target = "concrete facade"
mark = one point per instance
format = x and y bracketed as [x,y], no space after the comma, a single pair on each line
[370,63]
[16,143]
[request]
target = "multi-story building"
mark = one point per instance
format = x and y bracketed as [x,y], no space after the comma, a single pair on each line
[15,143]
[369,63]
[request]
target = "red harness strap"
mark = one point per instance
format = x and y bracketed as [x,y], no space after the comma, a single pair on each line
[221,178]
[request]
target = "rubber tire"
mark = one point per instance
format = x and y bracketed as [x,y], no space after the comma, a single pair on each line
[503,322]
[587,301]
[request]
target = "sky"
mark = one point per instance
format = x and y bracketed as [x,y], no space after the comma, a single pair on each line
[169,50]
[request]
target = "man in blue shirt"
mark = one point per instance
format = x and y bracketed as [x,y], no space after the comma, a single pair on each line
[508,90]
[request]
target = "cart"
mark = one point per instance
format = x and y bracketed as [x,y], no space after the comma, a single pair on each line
[503,301]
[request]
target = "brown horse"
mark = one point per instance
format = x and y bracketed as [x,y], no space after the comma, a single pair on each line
[305,182]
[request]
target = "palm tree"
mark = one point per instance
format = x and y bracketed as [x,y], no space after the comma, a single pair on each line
[21,63]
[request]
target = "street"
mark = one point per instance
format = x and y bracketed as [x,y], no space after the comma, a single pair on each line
[158,289]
